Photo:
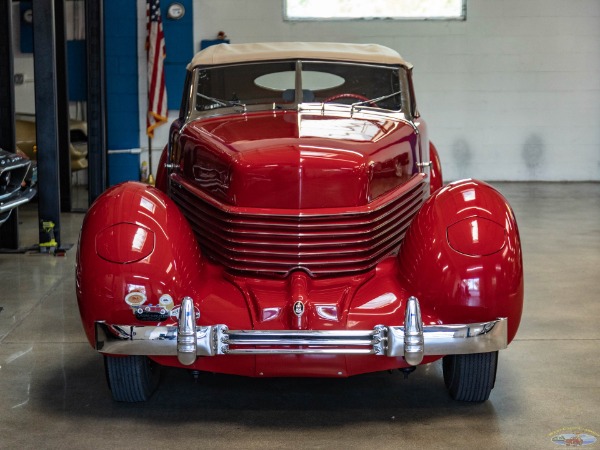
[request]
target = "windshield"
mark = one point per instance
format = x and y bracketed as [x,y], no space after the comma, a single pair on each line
[284,84]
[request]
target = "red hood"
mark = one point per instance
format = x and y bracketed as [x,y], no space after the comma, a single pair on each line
[286,159]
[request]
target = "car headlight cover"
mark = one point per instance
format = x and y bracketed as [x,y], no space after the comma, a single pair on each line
[125,243]
[476,236]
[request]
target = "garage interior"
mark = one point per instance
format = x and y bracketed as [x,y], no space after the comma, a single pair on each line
[511,95]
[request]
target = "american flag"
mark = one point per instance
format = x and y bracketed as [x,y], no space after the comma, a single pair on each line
[155,47]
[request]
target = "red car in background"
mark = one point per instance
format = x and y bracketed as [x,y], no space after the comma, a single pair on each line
[299,227]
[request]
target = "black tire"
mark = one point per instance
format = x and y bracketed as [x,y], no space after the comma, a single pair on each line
[470,378]
[131,378]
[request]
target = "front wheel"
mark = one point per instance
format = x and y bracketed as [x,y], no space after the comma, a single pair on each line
[131,378]
[470,378]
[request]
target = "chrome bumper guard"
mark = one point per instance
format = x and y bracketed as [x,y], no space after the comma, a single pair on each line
[412,341]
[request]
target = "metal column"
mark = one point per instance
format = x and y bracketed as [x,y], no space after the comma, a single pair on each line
[96,98]
[62,106]
[45,74]
[9,238]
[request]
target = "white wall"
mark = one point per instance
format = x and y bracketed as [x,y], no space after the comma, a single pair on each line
[512,93]
[23,65]
[23,62]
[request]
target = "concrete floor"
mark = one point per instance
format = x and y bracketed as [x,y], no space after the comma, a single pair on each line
[53,393]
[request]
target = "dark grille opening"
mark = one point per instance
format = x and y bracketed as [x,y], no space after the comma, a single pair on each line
[11,179]
[354,240]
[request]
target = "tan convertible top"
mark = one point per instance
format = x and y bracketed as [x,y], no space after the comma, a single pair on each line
[269,51]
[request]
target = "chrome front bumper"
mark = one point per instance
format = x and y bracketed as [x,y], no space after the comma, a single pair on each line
[18,200]
[412,341]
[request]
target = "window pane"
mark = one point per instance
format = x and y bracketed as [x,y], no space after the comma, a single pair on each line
[374,9]
[223,86]
[269,83]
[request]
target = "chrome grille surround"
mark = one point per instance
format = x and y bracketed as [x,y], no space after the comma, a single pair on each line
[276,242]
[11,176]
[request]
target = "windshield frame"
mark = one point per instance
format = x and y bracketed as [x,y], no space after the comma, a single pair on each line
[190,95]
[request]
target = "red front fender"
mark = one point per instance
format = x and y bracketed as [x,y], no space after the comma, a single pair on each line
[135,247]
[462,257]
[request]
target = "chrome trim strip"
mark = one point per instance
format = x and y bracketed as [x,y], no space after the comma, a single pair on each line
[23,198]
[298,92]
[315,334]
[304,341]
[303,351]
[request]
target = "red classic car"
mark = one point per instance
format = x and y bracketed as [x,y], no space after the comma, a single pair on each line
[299,227]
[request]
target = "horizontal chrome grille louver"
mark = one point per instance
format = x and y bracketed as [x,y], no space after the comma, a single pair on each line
[276,241]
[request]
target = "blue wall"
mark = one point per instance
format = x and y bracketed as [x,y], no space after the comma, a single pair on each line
[120,26]
[120,19]
[179,42]
[76,67]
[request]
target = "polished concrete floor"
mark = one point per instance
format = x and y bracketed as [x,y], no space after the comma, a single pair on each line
[53,393]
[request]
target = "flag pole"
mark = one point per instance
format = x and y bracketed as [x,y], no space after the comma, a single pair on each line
[157,92]
[149,155]
[150,176]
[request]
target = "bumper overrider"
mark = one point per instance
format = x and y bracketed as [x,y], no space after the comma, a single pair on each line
[412,341]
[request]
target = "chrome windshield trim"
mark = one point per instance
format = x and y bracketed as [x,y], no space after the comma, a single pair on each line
[224,109]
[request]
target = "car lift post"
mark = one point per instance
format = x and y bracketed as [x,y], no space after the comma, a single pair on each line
[62,105]
[46,108]
[9,238]
[96,99]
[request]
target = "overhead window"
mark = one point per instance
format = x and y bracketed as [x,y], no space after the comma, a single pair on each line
[374,9]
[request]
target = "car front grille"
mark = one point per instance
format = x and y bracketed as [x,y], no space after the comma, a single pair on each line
[327,242]
[11,178]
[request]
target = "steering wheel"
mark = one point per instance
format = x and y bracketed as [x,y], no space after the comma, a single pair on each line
[359,97]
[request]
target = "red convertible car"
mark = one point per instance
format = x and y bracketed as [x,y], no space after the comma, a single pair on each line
[300,227]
